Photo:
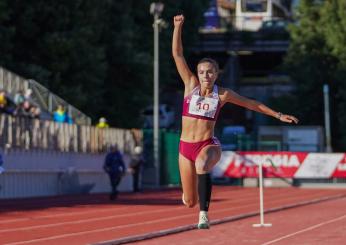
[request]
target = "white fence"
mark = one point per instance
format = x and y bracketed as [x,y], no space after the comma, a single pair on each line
[31,134]
[44,158]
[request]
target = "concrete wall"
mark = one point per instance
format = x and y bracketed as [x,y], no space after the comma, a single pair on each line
[42,173]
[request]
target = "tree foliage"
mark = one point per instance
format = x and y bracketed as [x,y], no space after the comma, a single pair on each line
[317,56]
[96,54]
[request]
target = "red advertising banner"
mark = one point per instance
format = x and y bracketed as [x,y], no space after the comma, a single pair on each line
[281,164]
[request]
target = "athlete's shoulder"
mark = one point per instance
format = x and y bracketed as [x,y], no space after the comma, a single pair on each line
[225,94]
[224,91]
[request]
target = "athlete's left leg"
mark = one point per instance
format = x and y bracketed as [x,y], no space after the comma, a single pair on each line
[205,161]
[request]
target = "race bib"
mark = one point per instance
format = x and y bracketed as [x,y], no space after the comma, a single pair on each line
[203,106]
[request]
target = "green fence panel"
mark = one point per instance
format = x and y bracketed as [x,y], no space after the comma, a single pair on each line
[169,158]
[169,153]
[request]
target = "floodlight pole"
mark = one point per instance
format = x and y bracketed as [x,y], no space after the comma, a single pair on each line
[327,118]
[155,10]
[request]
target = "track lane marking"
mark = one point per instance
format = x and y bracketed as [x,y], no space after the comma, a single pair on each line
[141,212]
[99,230]
[72,213]
[134,214]
[131,225]
[304,230]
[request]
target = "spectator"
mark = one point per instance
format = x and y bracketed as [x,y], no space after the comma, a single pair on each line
[35,112]
[28,94]
[25,109]
[3,100]
[19,98]
[4,103]
[60,114]
[135,167]
[115,168]
[68,119]
[102,123]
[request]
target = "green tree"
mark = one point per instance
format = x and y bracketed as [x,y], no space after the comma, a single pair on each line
[130,56]
[333,23]
[316,56]
[57,44]
[6,33]
[95,54]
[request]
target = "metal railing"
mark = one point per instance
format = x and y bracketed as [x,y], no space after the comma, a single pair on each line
[47,101]
[31,134]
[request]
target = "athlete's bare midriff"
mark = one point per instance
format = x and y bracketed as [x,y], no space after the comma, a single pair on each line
[196,130]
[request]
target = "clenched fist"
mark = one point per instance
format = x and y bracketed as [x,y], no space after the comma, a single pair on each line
[178,20]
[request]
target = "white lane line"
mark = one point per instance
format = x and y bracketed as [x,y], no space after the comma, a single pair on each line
[13,220]
[100,230]
[106,229]
[304,230]
[123,215]
[70,213]
[117,228]
[84,220]
[73,213]
[80,221]
[112,217]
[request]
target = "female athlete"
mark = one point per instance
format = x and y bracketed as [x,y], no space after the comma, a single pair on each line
[199,150]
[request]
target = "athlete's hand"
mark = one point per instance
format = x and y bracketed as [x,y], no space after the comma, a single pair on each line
[178,20]
[288,119]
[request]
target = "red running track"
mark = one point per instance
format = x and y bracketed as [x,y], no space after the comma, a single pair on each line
[322,223]
[93,219]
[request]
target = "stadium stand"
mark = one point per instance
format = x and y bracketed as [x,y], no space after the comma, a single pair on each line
[45,157]
[40,96]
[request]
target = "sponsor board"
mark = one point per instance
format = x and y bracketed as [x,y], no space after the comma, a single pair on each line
[281,164]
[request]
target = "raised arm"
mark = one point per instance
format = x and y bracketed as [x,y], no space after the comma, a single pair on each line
[232,97]
[185,73]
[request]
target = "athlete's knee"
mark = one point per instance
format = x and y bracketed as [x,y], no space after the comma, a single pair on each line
[190,203]
[202,167]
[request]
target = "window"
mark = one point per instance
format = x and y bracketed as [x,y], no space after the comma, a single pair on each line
[256,6]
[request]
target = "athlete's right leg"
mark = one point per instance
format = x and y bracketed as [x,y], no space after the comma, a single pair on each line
[188,181]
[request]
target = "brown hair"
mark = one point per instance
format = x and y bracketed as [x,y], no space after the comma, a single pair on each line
[211,61]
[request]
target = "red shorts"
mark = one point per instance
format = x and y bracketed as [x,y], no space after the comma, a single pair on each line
[191,150]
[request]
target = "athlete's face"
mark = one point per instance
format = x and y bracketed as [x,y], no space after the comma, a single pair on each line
[207,74]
